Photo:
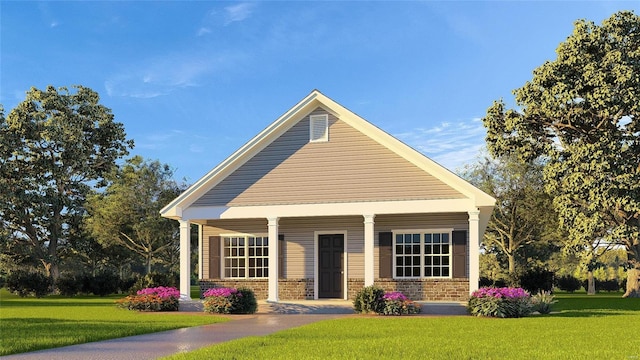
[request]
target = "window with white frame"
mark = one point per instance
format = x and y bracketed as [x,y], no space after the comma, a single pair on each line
[246,256]
[422,254]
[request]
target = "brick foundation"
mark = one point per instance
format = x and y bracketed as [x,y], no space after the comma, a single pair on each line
[288,289]
[302,289]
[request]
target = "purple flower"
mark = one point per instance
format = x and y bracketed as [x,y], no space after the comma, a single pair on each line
[222,292]
[394,296]
[161,291]
[500,293]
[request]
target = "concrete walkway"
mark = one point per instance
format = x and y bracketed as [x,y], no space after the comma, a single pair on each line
[271,317]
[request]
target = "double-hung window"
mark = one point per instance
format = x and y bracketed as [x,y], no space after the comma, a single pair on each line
[422,254]
[246,256]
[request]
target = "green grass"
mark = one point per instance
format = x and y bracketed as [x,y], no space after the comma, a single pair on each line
[581,327]
[28,324]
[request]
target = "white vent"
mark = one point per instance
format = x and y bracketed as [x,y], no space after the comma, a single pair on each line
[319,128]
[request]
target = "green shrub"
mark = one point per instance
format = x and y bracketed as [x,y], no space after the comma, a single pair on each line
[69,285]
[608,285]
[568,283]
[396,303]
[536,280]
[230,301]
[542,302]
[152,280]
[500,302]
[369,300]
[102,284]
[25,283]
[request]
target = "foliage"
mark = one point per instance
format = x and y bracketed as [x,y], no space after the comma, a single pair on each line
[537,279]
[542,302]
[59,321]
[102,283]
[152,299]
[373,299]
[581,114]
[25,283]
[127,213]
[368,300]
[154,280]
[69,285]
[500,302]
[54,146]
[568,283]
[396,303]
[605,285]
[522,217]
[230,301]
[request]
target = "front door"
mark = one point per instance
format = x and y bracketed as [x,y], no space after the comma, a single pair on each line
[330,266]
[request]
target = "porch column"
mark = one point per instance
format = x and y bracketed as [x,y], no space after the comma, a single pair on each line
[185,260]
[200,250]
[474,250]
[368,249]
[273,259]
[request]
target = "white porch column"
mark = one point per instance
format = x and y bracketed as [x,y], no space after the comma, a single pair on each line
[185,260]
[368,249]
[200,250]
[273,259]
[474,250]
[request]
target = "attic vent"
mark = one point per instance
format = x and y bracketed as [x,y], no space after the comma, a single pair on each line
[319,128]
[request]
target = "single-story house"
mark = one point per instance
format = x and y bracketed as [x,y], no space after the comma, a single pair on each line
[322,203]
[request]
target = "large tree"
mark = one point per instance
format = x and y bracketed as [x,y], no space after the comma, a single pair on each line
[581,113]
[54,146]
[127,213]
[522,218]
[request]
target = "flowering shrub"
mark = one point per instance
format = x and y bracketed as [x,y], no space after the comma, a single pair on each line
[503,302]
[396,303]
[152,299]
[230,301]
[372,299]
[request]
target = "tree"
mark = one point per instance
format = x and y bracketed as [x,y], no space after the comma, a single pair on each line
[127,213]
[580,113]
[521,217]
[53,147]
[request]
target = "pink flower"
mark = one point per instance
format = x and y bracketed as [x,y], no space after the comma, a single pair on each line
[222,292]
[161,291]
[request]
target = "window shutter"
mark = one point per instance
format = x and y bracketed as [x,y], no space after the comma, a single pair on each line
[459,240]
[214,257]
[319,128]
[385,254]
[281,248]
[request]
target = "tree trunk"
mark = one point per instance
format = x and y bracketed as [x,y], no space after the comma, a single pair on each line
[591,283]
[148,264]
[633,284]
[512,264]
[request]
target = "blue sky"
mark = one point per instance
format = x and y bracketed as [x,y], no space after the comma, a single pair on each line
[192,81]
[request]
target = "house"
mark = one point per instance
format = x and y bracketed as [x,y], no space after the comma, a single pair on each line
[322,203]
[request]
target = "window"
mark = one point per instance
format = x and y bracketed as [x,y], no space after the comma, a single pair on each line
[246,256]
[422,254]
[319,128]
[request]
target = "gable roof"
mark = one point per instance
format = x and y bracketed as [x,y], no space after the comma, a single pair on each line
[294,115]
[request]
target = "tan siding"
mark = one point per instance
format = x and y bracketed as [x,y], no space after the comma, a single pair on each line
[300,241]
[350,167]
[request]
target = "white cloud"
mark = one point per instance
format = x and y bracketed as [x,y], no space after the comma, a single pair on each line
[238,12]
[451,144]
[162,75]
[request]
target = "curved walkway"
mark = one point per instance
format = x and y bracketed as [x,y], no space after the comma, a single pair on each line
[271,317]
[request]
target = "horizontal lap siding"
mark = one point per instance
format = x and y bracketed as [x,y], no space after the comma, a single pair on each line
[350,167]
[300,241]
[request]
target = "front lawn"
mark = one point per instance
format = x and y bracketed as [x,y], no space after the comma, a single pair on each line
[584,327]
[28,324]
